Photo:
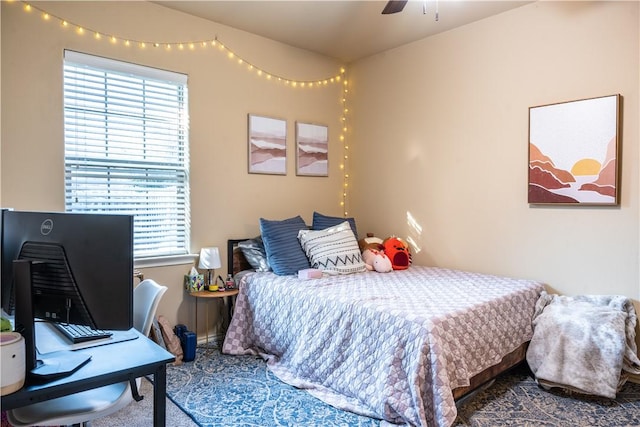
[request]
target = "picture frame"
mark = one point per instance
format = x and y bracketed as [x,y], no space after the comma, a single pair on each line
[267,145]
[312,149]
[574,152]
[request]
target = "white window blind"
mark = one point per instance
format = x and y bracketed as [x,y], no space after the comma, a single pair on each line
[126,148]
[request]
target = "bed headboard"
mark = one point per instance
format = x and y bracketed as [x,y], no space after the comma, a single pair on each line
[236,262]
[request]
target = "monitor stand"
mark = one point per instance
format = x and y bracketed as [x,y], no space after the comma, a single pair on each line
[57,365]
[52,365]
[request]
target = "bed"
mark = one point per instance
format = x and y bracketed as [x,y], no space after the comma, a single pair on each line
[400,347]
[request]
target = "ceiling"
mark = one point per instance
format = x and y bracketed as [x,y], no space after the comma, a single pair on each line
[343,29]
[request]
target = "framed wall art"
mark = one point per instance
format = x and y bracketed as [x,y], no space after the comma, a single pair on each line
[312,149]
[267,145]
[574,152]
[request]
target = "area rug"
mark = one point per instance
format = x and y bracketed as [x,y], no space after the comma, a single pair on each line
[515,399]
[222,390]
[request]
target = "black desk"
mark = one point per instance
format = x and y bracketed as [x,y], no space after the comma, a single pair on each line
[109,364]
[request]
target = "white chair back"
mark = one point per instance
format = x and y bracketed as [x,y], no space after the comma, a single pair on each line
[146,297]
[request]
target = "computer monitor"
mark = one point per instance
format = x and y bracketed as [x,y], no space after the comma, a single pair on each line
[66,268]
[86,276]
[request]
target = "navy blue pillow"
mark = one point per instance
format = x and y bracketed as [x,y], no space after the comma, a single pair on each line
[280,238]
[320,222]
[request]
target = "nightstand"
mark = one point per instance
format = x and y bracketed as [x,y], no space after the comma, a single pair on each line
[228,297]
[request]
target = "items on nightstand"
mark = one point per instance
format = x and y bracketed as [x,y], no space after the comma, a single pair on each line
[210,260]
[222,284]
[194,282]
[230,283]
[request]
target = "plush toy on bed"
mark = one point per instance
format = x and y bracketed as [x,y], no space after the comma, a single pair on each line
[376,260]
[373,254]
[370,242]
[398,252]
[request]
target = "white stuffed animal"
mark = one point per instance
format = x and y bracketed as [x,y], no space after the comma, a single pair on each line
[376,260]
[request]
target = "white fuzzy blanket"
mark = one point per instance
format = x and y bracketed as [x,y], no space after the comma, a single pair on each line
[584,343]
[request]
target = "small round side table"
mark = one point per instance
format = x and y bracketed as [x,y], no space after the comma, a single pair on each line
[209,295]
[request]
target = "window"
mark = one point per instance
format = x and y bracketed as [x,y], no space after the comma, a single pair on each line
[126,138]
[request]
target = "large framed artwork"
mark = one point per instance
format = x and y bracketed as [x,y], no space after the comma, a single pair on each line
[267,145]
[574,152]
[312,149]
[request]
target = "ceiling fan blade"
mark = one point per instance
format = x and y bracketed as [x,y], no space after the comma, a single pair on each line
[394,6]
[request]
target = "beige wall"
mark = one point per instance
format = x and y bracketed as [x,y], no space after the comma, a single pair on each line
[226,201]
[441,134]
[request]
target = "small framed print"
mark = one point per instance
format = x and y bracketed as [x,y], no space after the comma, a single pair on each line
[312,149]
[267,145]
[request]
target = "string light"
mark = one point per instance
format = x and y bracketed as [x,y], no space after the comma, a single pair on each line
[181,45]
[344,166]
[215,43]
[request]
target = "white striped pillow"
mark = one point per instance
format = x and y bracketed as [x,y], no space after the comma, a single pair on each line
[333,250]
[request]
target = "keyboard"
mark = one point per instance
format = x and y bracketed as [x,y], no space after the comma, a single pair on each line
[81,333]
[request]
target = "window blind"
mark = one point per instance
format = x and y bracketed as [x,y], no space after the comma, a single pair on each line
[126,148]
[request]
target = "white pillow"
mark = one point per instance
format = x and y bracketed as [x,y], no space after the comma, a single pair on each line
[333,250]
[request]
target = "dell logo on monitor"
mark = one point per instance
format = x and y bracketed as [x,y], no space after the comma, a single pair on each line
[46,227]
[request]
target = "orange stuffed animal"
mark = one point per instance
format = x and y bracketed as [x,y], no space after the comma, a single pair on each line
[398,252]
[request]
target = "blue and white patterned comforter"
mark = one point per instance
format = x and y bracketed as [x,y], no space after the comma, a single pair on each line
[390,346]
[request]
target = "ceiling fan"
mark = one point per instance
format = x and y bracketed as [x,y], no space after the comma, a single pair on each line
[394,6]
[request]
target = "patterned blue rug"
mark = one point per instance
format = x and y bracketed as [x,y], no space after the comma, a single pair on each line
[222,390]
[515,399]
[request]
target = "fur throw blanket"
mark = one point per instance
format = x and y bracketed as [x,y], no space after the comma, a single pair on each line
[584,343]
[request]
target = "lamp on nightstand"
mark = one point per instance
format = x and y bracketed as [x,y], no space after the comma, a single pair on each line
[209,260]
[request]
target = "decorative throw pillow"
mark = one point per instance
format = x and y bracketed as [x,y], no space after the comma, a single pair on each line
[320,222]
[254,253]
[333,250]
[284,253]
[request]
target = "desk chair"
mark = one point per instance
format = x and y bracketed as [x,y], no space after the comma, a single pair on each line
[81,408]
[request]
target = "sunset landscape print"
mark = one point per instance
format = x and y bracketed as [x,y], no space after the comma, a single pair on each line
[312,149]
[573,150]
[267,145]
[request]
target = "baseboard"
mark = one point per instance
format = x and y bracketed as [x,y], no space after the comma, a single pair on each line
[214,340]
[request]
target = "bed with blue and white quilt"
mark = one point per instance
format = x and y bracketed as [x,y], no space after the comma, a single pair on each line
[398,346]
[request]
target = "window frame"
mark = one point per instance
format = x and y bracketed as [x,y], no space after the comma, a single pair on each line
[142,149]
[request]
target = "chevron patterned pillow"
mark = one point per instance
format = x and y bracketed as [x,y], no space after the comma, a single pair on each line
[333,250]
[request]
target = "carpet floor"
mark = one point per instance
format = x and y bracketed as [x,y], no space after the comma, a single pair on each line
[221,390]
